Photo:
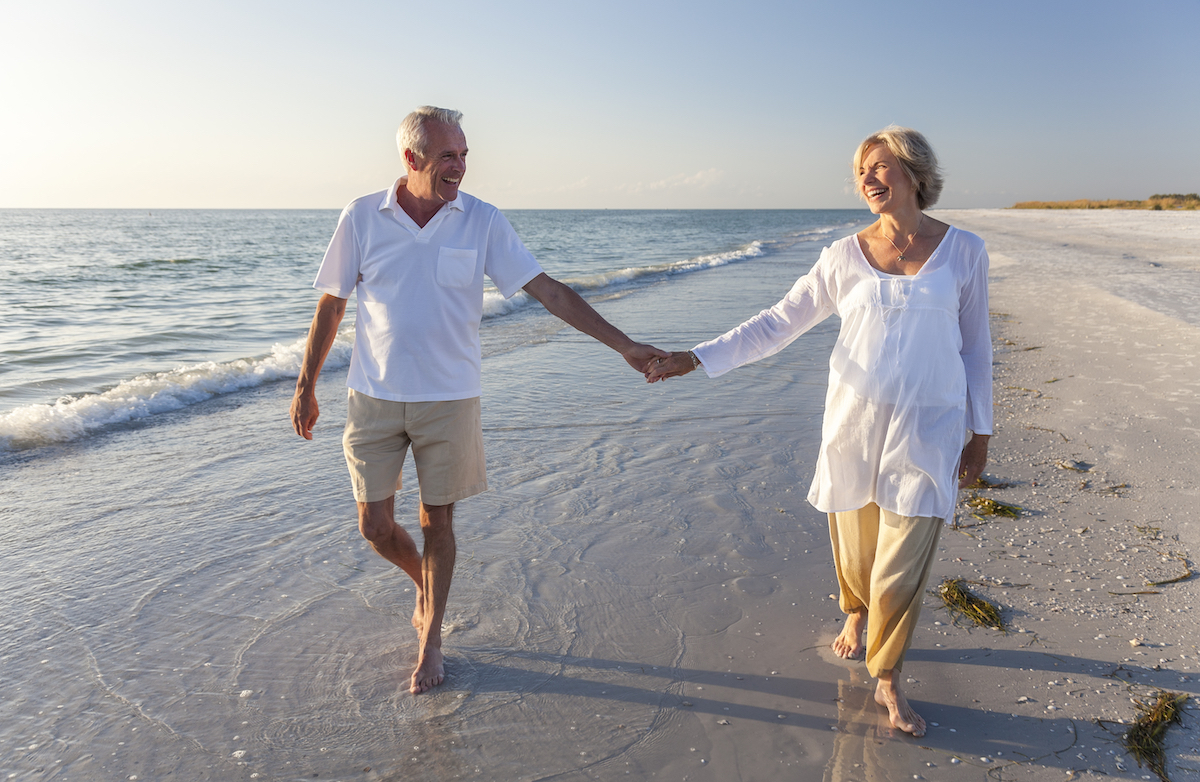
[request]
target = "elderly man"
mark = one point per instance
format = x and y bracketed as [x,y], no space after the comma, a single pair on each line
[415,255]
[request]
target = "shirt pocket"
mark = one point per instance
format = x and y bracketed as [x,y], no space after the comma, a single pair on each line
[455,267]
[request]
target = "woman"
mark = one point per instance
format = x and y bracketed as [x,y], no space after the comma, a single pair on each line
[908,412]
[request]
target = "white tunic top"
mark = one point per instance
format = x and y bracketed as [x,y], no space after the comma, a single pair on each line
[910,373]
[420,292]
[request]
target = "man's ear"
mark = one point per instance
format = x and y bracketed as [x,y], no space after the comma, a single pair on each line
[410,159]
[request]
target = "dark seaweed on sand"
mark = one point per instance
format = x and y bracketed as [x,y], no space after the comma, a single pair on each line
[989,507]
[963,602]
[1144,740]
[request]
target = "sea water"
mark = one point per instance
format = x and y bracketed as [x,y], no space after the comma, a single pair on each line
[184,590]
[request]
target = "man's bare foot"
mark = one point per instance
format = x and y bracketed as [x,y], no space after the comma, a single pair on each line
[418,617]
[849,645]
[902,716]
[430,672]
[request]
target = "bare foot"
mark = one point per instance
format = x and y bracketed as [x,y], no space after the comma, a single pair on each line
[418,617]
[849,645]
[902,716]
[430,672]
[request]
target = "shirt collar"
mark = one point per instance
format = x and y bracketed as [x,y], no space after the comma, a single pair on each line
[391,203]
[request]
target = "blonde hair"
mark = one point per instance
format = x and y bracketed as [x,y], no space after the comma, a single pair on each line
[916,159]
[411,135]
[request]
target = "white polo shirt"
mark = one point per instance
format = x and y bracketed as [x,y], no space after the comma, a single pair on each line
[420,292]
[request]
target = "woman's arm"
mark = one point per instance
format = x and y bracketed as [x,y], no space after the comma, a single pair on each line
[976,349]
[808,303]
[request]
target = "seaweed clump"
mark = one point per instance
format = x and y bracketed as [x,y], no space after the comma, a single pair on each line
[982,482]
[989,507]
[963,602]
[1144,740]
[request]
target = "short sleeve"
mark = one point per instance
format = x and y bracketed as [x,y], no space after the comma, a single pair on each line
[508,264]
[339,270]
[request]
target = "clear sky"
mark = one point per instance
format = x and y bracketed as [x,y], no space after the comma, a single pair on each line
[614,104]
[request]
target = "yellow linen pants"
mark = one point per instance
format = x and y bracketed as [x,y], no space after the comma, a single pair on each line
[883,561]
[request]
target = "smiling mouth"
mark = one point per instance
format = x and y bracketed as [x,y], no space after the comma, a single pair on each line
[876,191]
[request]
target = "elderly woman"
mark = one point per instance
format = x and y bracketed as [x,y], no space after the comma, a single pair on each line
[908,412]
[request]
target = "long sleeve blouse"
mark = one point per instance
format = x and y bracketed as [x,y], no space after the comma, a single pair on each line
[910,373]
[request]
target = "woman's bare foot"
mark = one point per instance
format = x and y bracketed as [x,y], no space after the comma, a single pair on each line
[849,645]
[902,716]
[430,672]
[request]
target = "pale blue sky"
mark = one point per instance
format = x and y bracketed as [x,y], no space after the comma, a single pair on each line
[157,104]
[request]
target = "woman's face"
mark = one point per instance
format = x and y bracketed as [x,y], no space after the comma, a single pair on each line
[882,182]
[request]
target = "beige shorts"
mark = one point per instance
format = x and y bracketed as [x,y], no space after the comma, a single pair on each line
[447,445]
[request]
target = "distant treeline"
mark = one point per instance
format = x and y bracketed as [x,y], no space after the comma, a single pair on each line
[1156,202]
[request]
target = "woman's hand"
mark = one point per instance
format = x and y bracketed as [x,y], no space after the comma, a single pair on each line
[974,457]
[676,365]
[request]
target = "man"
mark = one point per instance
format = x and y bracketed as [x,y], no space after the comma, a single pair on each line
[415,255]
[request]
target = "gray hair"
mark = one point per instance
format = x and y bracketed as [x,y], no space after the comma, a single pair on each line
[412,135]
[916,159]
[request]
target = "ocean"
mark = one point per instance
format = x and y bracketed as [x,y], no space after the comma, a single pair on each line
[116,316]
[184,591]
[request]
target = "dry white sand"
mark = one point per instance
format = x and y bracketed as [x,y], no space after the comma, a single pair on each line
[1097,330]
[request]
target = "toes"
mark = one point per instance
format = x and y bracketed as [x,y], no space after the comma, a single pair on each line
[425,683]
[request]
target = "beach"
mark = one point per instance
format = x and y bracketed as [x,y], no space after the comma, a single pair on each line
[644,592]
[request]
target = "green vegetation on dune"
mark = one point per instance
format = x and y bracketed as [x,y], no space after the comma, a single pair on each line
[1156,203]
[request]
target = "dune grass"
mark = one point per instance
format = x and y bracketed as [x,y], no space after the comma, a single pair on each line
[1158,202]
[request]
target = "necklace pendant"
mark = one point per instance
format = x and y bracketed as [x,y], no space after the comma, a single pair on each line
[901,258]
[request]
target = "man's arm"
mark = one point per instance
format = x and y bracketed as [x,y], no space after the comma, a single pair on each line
[570,307]
[330,310]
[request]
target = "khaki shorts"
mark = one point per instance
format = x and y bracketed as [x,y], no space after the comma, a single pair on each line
[447,444]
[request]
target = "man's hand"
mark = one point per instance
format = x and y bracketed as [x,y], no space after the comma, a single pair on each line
[974,458]
[305,412]
[642,357]
[321,335]
[674,365]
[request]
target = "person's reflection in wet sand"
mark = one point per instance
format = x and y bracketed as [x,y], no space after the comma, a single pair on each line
[866,748]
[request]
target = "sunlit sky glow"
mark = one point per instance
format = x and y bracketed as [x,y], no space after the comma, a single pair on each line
[245,104]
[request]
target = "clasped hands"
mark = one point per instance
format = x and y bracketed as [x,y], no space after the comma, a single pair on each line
[657,364]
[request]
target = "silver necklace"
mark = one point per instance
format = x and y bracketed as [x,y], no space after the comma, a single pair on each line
[910,239]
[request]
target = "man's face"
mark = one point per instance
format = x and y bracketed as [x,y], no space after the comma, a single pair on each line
[437,174]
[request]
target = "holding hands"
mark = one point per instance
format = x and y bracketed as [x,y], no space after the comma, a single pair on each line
[675,365]
[642,357]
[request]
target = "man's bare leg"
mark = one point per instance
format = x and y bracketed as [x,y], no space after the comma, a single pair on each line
[377,523]
[848,645]
[887,694]
[437,570]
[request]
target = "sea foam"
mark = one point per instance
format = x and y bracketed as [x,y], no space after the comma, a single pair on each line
[72,417]
[495,305]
